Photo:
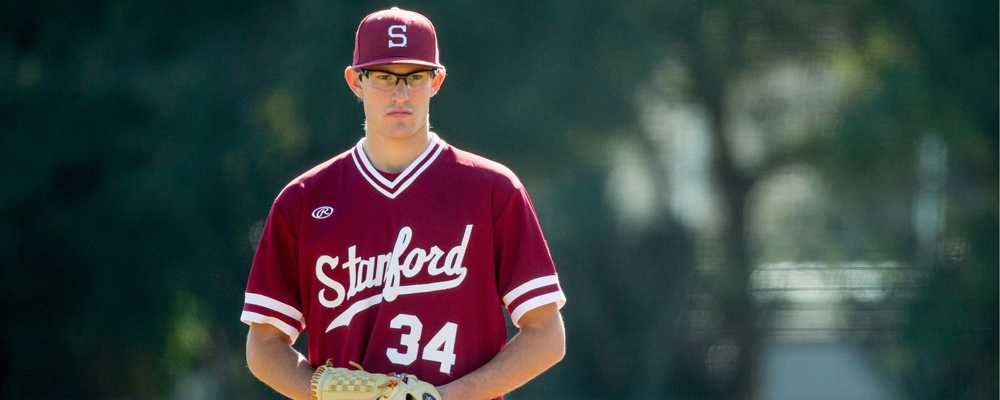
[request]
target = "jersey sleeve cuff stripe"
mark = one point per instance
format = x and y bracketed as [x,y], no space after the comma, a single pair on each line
[269,303]
[529,286]
[555,297]
[251,317]
[274,314]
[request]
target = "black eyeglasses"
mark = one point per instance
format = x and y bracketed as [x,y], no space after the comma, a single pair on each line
[387,80]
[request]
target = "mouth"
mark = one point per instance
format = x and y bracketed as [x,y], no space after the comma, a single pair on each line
[399,113]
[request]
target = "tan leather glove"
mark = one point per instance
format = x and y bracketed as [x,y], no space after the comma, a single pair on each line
[330,383]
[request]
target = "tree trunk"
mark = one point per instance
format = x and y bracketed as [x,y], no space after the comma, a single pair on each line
[738,307]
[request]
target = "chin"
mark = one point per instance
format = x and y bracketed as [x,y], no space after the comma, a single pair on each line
[401,131]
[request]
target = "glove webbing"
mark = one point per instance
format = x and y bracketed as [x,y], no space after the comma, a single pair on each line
[352,381]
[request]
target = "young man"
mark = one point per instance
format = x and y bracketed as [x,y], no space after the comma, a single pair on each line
[400,254]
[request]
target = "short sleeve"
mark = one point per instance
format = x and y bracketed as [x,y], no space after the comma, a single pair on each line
[527,276]
[272,288]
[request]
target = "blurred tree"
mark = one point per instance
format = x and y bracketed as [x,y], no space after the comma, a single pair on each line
[717,46]
[935,105]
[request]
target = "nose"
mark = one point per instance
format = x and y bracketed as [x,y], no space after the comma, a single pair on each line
[402,89]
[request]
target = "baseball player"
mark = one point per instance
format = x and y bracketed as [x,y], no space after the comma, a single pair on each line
[399,256]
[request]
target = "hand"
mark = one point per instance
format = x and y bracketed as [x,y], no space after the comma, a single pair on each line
[412,387]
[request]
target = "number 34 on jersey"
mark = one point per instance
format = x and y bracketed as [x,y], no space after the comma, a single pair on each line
[440,349]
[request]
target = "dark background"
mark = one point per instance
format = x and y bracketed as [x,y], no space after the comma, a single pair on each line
[745,199]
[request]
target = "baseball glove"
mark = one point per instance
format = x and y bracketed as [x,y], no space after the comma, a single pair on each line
[329,383]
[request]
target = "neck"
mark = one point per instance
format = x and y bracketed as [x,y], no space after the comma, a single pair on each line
[393,155]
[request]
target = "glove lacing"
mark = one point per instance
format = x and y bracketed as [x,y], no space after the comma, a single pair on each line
[385,390]
[390,385]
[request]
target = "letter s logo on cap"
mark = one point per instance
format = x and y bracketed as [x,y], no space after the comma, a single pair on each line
[396,35]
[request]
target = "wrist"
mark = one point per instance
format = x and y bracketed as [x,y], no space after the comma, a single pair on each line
[452,391]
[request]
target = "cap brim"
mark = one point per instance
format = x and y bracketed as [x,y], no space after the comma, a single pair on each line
[386,61]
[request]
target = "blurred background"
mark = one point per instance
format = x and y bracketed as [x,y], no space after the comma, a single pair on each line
[745,199]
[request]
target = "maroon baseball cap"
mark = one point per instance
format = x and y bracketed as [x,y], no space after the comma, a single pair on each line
[395,36]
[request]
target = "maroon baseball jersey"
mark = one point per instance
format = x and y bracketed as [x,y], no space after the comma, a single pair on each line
[407,272]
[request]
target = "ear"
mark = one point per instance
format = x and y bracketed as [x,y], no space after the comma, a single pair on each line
[353,81]
[438,81]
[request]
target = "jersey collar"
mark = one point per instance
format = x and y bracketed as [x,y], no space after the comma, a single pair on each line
[392,188]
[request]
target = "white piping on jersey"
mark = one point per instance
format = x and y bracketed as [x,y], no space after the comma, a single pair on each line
[432,141]
[555,297]
[275,305]
[248,316]
[408,182]
[529,286]
[405,178]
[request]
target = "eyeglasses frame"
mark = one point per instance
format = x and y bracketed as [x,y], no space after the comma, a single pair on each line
[399,77]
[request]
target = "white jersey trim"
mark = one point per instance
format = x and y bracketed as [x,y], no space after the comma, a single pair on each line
[529,286]
[431,143]
[249,317]
[557,297]
[275,305]
[405,178]
[412,178]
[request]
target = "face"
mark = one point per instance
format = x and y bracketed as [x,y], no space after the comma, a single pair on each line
[398,112]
